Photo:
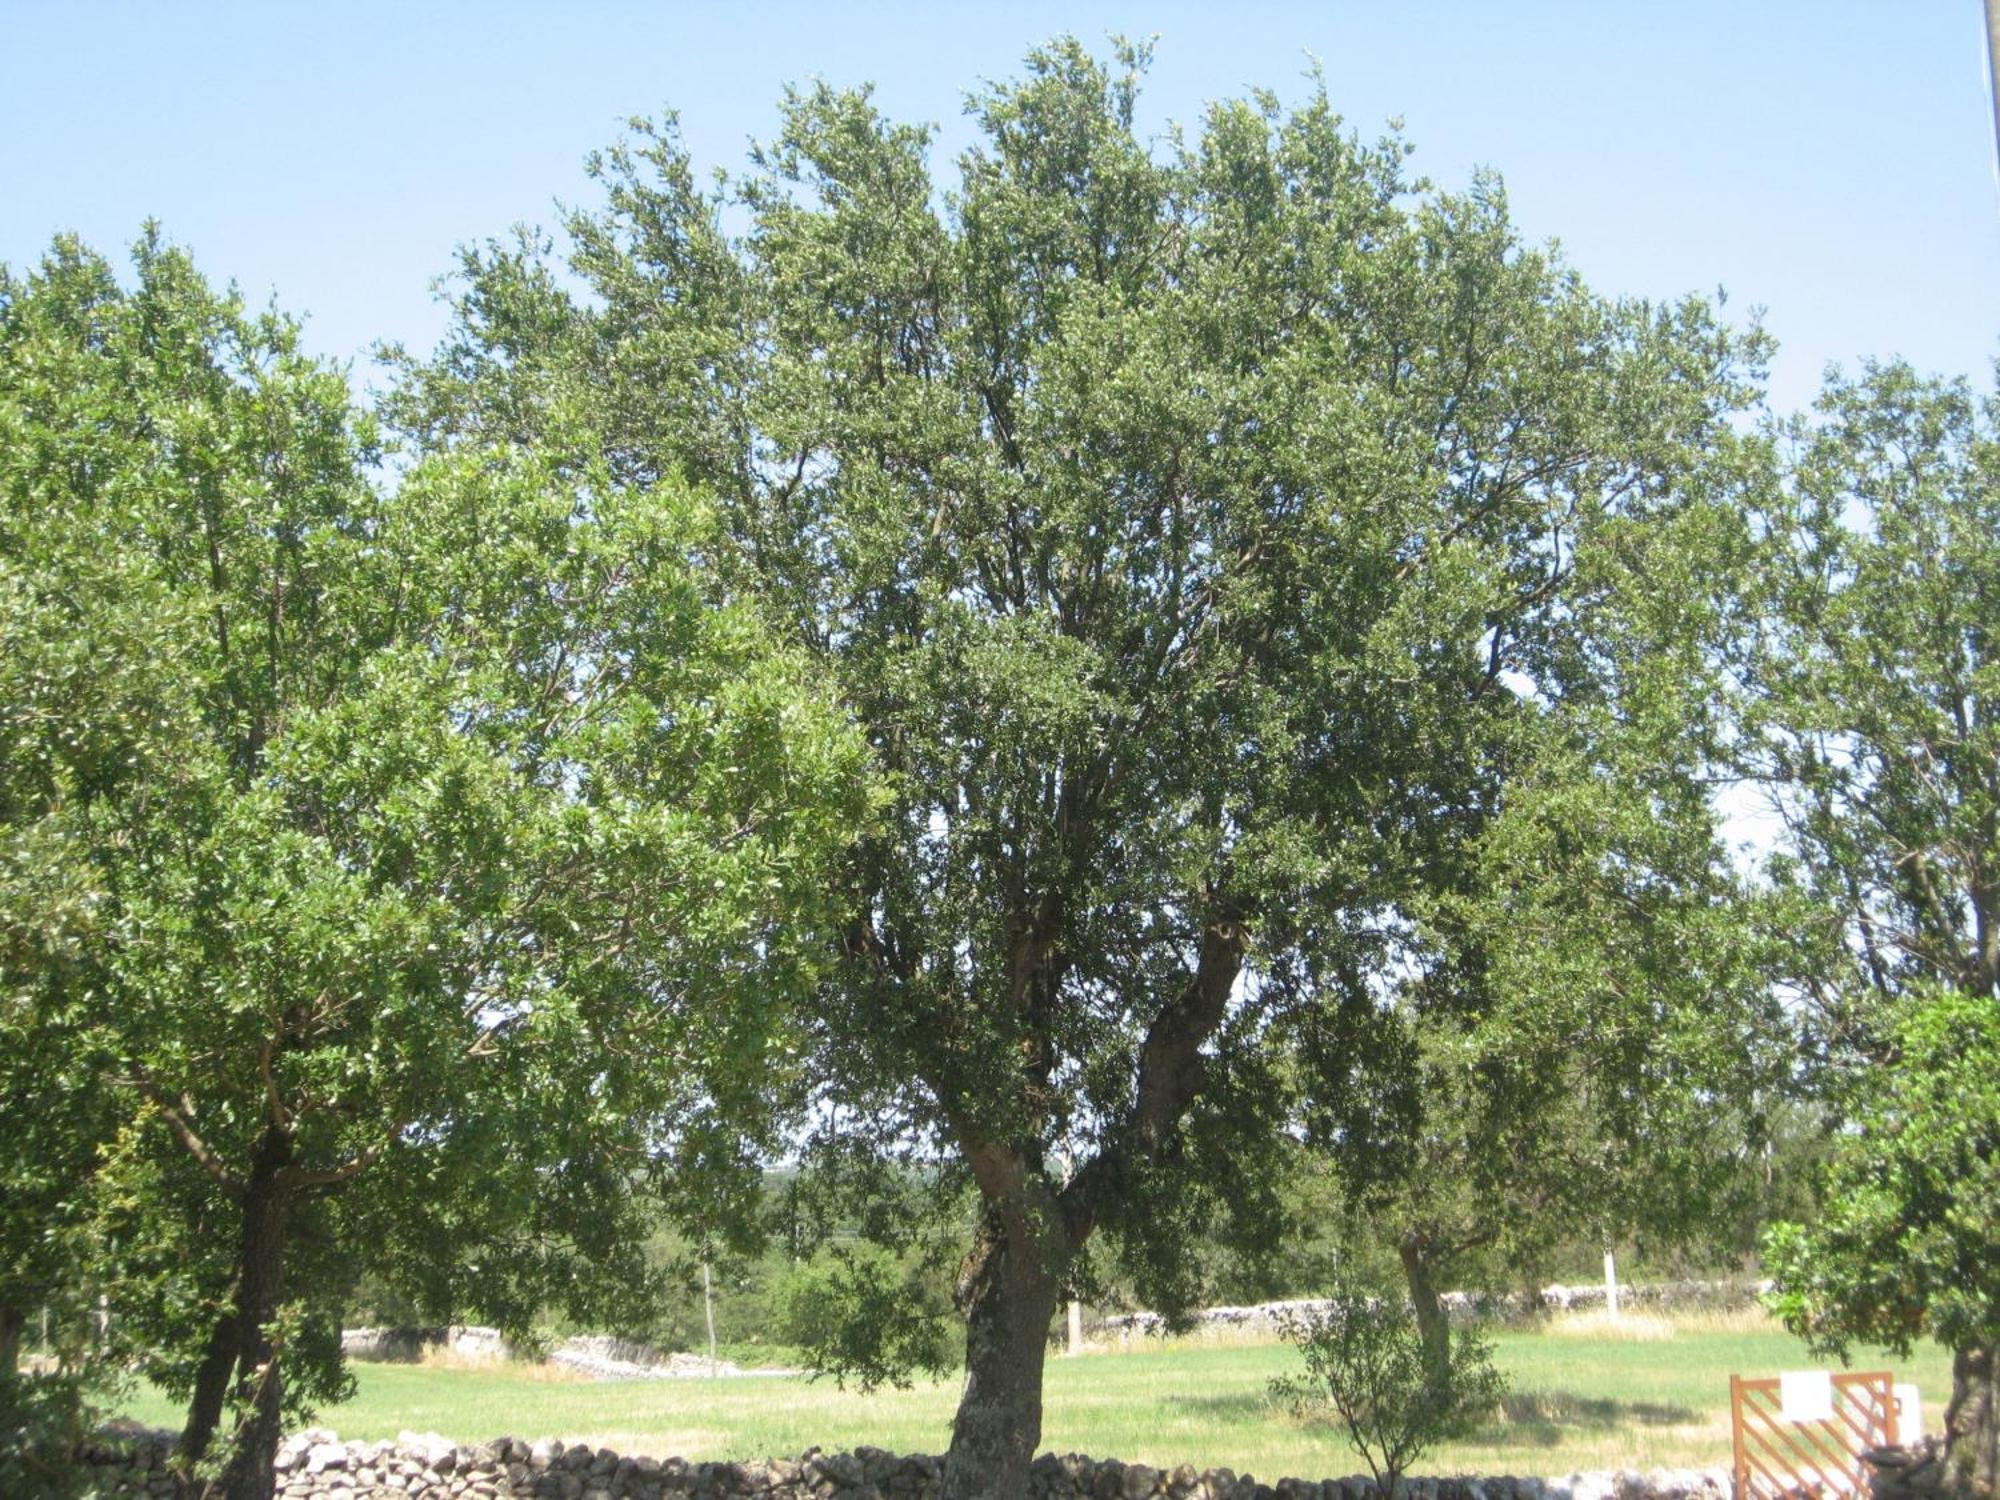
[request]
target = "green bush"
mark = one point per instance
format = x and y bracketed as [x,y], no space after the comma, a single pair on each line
[1367,1365]
[42,1419]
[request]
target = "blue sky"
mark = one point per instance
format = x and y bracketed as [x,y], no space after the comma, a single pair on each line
[1831,163]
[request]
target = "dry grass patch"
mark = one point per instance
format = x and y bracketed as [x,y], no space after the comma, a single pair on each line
[1644,1328]
[1749,1317]
[443,1357]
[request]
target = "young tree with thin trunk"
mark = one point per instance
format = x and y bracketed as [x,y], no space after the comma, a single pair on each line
[1583,1006]
[1171,516]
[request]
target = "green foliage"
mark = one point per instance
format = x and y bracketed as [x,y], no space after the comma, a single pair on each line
[1906,1242]
[1184,524]
[1875,715]
[1874,710]
[42,1420]
[1367,1360]
[399,878]
[862,1314]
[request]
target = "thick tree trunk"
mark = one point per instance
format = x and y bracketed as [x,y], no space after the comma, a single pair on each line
[13,1323]
[1972,1422]
[251,1473]
[1432,1322]
[1008,1294]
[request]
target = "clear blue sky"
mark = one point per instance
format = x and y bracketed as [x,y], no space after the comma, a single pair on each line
[1832,163]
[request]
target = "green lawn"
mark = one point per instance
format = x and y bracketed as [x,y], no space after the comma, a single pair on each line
[1578,1402]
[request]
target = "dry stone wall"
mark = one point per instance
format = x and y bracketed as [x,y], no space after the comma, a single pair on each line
[1663,1296]
[316,1465]
[1913,1472]
[595,1356]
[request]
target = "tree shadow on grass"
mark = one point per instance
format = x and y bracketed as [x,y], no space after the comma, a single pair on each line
[1544,1419]
[1232,1405]
[1525,1419]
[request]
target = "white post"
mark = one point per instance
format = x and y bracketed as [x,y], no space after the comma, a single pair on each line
[1610,1285]
[708,1308]
[1075,1319]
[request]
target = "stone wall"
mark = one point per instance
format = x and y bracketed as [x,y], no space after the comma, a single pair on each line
[596,1356]
[315,1465]
[1913,1472]
[1662,1296]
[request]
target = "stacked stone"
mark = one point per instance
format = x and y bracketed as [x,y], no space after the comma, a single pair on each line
[133,1463]
[1915,1472]
[316,1465]
[1665,1296]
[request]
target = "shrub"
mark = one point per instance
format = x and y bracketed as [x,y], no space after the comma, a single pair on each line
[1366,1361]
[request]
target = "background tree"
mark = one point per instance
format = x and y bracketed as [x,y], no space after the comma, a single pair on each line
[1874,717]
[1907,1243]
[1582,1002]
[456,885]
[1169,517]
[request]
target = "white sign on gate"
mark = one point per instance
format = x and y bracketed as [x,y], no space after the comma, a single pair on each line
[1805,1396]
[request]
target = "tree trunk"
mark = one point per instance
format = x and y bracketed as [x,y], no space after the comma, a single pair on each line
[1432,1322]
[1972,1422]
[13,1323]
[240,1343]
[211,1387]
[250,1473]
[1008,1293]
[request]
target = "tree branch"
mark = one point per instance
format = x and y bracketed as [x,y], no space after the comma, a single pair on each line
[175,1113]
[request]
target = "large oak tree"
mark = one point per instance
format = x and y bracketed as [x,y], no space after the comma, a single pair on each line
[1180,518]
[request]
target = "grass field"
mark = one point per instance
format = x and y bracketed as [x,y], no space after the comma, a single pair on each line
[1581,1398]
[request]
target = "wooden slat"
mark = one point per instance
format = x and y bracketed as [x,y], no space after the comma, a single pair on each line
[1770,1451]
[1864,1432]
[1781,1479]
[1782,1458]
[1753,1467]
[1739,1469]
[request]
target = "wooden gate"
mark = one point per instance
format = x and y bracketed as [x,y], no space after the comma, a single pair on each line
[1776,1457]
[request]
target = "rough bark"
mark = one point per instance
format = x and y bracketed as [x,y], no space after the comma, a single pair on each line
[211,1387]
[1432,1322]
[1013,1278]
[1008,1293]
[1972,1422]
[13,1323]
[250,1473]
[239,1353]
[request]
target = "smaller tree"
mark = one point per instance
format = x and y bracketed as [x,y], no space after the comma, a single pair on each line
[1369,1360]
[1907,1242]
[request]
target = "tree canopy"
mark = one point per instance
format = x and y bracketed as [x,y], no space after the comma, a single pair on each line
[440,856]
[1874,716]
[1907,1242]
[1184,523]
